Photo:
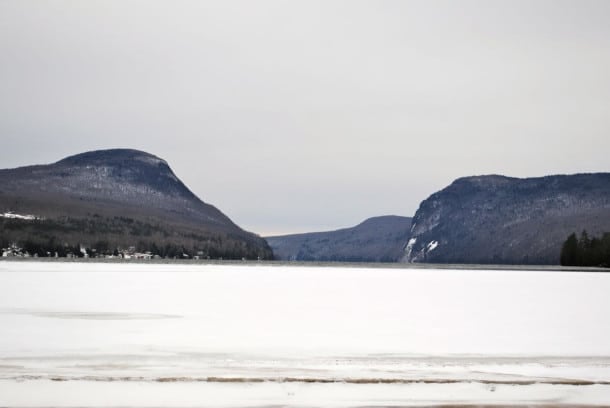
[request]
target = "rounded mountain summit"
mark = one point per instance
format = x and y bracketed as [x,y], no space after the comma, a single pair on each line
[117,198]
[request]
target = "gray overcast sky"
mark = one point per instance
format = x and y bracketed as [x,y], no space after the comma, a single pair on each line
[301,116]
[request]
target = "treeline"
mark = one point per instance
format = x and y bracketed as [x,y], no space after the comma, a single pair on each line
[586,251]
[94,224]
[97,236]
[103,249]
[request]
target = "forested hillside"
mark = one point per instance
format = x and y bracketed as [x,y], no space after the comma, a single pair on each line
[504,220]
[378,239]
[111,200]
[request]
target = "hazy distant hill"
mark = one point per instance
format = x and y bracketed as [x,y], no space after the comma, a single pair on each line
[379,239]
[497,219]
[117,197]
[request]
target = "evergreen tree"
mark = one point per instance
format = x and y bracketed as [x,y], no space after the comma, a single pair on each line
[585,251]
[570,251]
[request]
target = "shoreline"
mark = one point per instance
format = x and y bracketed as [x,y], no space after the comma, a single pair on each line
[316,264]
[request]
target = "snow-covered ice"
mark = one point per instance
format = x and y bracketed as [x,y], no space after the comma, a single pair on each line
[228,335]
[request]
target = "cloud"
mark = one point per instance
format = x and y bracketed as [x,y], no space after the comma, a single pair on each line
[307,115]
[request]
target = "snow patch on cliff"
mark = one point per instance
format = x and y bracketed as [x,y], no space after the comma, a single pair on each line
[409,249]
[12,215]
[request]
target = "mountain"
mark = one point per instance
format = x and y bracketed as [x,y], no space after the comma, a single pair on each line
[378,239]
[504,220]
[117,198]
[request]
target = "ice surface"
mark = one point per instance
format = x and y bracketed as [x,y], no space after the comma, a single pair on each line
[318,332]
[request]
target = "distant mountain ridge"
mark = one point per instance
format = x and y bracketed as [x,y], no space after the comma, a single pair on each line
[498,219]
[378,239]
[101,188]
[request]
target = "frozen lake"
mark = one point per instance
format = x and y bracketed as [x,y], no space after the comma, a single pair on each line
[105,334]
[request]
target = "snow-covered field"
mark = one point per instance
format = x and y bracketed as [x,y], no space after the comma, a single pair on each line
[119,334]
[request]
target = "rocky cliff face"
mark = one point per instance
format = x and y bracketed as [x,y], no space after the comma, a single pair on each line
[378,239]
[497,219]
[100,187]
